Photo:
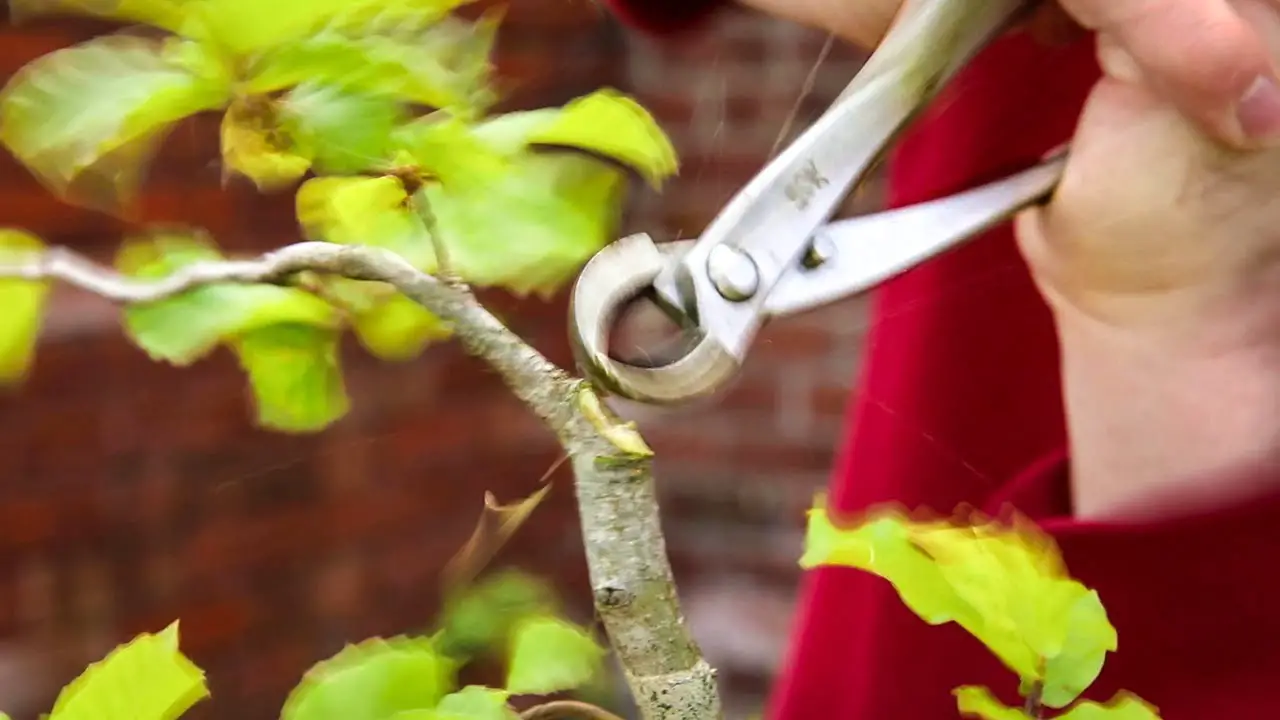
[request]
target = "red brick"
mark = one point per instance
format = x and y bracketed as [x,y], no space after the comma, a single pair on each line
[789,339]
[341,586]
[27,522]
[830,400]
[205,622]
[275,669]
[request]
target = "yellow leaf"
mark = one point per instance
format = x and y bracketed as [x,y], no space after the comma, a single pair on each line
[1005,585]
[605,122]
[978,702]
[295,374]
[373,680]
[255,146]
[531,228]
[21,307]
[549,655]
[147,678]
[365,211]
[415,56]
[113,96]
[246,27]
[1124,706]
[398,328]
[166,14]
[447,149]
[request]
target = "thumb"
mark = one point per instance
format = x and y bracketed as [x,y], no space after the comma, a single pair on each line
[1202,55]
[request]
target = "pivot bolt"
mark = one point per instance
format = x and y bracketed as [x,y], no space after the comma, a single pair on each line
[733,273]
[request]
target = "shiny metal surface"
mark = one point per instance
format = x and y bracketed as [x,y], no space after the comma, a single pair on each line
[610,280]
[724,284]
[866,251]
[852,256]
[773,217]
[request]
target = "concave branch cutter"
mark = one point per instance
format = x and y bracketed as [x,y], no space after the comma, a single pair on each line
[771,251]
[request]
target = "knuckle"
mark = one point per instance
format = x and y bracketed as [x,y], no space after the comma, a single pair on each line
[1198,47]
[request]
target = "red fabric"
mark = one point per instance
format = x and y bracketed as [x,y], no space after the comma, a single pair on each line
[663,16]
[959,402]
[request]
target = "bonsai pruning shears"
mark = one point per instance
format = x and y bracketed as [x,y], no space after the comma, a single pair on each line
[771,251]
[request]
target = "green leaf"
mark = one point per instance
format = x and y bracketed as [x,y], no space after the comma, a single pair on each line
[23,304]
[373,681]
[440,63]
[1007,586]
[531,230]
[474,702]
[165,14]
[398,329]
[1124,706]
[104,105]
[606,123]
[343,132]
[1082,651]
[246,27]
[295,375]
[186,327]
[482,616]
[447,149]
[978,702]
[366,211]
[254,145]
[550,655]
[148,677]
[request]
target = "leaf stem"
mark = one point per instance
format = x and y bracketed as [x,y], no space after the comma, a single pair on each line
[1033,707]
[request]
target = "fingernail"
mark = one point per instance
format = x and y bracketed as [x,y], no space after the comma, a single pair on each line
[1259,110]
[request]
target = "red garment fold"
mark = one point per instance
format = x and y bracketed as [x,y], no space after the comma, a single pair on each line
[664,16]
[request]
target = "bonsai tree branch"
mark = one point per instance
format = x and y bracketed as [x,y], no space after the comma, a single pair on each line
[633,588]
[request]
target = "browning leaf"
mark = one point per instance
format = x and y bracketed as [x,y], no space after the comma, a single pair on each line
[255,145]
[496,526]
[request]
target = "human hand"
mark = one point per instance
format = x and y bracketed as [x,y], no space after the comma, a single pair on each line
[1158,228]
[1160,256]
[1170,175]
[1160,252]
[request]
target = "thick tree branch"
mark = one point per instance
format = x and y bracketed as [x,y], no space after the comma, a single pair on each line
[634,591]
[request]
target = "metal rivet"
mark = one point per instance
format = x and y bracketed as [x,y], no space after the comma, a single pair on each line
[733,273]
[821,251]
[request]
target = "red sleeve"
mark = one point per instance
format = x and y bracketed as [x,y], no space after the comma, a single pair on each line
[959,393]
[1192,600]
[663,16]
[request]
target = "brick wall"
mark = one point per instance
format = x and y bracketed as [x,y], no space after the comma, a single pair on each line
[132,493]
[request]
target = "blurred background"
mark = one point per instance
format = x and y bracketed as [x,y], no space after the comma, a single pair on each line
[132,493]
